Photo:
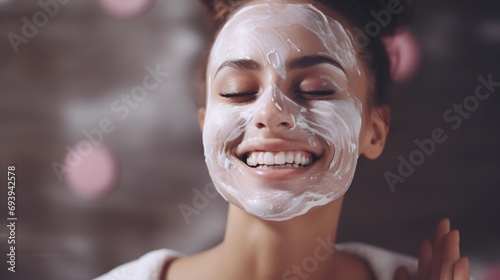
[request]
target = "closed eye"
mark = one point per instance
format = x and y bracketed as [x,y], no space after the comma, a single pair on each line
[236,94]
[238,97]
[316,94]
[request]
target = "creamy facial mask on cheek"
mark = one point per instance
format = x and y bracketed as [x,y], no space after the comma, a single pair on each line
[265,34]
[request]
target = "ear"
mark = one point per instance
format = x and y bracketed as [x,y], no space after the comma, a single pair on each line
[377,135]
[201,117]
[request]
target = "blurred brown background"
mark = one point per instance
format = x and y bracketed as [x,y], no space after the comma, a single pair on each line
[65,78]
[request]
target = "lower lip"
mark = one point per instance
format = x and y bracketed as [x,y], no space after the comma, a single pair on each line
[276,174]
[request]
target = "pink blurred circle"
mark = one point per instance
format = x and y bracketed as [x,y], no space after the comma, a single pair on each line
[91,175]
[404,55]
[126,9]
[492,274]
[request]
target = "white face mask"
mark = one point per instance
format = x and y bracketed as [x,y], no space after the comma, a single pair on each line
[307,142]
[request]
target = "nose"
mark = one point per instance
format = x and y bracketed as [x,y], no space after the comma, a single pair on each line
[273,112]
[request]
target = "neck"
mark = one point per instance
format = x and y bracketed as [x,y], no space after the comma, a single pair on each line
[299,248]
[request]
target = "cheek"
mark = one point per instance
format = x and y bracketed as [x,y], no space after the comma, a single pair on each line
[335,121]
[224,123]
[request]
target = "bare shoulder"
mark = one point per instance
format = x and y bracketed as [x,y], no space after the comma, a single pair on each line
[352,267]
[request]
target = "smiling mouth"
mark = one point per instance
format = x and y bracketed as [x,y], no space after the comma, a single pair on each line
[278,160]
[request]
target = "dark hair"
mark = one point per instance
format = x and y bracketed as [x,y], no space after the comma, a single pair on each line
[357,12]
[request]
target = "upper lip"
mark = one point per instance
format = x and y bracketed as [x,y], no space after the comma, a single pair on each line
[275,145]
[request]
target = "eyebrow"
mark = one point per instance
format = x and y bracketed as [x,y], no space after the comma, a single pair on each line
[312,60]
[301,62]
[240,64]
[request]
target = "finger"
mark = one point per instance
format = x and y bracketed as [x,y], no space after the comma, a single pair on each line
[424,260]
[451,254]
[401,274]
[461,269]
[442,229]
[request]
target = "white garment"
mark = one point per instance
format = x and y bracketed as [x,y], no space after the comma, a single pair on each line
[382,262]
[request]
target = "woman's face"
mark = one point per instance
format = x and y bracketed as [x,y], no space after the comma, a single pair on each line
[285,99]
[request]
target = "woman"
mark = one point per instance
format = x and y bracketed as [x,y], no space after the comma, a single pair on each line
[292,99]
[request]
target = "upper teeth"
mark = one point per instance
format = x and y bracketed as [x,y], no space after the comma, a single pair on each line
[277,158]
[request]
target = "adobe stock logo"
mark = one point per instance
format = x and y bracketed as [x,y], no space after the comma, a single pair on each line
[454,116]
[31,27]
[122,108]
[309,265]
[382,19]
[200,201]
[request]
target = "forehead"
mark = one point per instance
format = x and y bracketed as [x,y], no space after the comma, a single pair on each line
[280,30]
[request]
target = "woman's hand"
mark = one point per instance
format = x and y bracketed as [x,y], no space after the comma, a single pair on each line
[442,260]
